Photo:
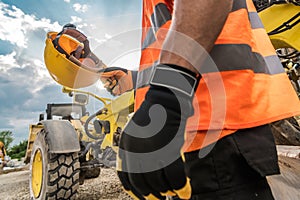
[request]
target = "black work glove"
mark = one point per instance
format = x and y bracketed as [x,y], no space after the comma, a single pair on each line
[149,158]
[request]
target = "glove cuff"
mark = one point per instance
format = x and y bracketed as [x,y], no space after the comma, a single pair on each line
[175,78]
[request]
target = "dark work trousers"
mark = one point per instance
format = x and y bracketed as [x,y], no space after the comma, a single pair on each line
[235,168]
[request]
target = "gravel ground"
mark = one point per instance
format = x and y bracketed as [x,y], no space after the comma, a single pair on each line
[107,186]
[14,186]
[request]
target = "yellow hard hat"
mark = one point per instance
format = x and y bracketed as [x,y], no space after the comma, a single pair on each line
[69,59]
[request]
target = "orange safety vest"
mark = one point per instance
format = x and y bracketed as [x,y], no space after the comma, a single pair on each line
[255,88]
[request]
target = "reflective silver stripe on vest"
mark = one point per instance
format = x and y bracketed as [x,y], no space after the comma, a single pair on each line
[238,4]
[228,57]
[239,57]
[143,78]
[274,65]
[159,17]
[255,20]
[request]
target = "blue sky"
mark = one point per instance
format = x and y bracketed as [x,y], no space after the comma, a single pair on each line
[112,26]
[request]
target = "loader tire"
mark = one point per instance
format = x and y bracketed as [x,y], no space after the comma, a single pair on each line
[52,176]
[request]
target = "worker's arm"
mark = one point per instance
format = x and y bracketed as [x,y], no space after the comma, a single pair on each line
[193,21]
[149,158]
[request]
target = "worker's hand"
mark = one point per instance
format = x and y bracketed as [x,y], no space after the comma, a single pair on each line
[117,80]
[149,158]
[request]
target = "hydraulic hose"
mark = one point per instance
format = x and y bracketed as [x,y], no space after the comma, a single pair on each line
[86,125]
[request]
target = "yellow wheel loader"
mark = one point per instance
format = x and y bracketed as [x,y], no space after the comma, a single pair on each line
[68,144]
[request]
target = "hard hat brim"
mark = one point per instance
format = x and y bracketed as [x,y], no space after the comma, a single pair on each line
[64,71]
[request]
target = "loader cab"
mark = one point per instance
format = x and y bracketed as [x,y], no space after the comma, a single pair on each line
[65,111]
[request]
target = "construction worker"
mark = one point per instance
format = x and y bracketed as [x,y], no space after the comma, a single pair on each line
[2,153]
[200,130]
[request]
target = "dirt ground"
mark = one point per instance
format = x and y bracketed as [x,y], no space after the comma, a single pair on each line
[286,186]
[14,185]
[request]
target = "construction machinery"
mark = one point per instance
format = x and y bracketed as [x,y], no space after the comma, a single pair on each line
[68,144]
[281,19]
[2,155]
[2,151]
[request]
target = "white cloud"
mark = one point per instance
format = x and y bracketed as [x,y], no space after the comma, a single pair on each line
[15,25]
[75,19]
[23,70]
[80,8]
[30,69]
[7,60]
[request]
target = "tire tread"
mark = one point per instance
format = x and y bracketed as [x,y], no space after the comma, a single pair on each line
[63,176]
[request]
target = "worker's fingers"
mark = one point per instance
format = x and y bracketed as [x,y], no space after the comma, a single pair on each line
[109,83]
[115,72]
[108,74]
[116,90]
[106,83]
